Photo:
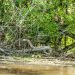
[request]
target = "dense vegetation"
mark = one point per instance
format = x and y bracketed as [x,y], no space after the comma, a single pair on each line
[49,22]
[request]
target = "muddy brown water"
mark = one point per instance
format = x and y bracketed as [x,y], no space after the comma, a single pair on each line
[28,69]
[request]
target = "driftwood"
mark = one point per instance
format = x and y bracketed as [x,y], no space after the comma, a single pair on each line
[31,49]
[29,42]
[69,47]
[4,51]
[70,35]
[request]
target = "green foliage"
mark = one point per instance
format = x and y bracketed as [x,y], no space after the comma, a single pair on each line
[38,13]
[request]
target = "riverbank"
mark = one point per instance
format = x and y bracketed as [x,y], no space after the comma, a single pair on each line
[35,69]
[36,66]
[37,61]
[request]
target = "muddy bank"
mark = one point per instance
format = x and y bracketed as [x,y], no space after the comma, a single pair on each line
[37,61]
[36,67]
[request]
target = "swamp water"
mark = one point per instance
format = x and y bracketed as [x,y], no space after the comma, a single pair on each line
[28,69]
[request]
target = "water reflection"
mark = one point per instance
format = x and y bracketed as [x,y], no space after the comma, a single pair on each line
[37,70]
